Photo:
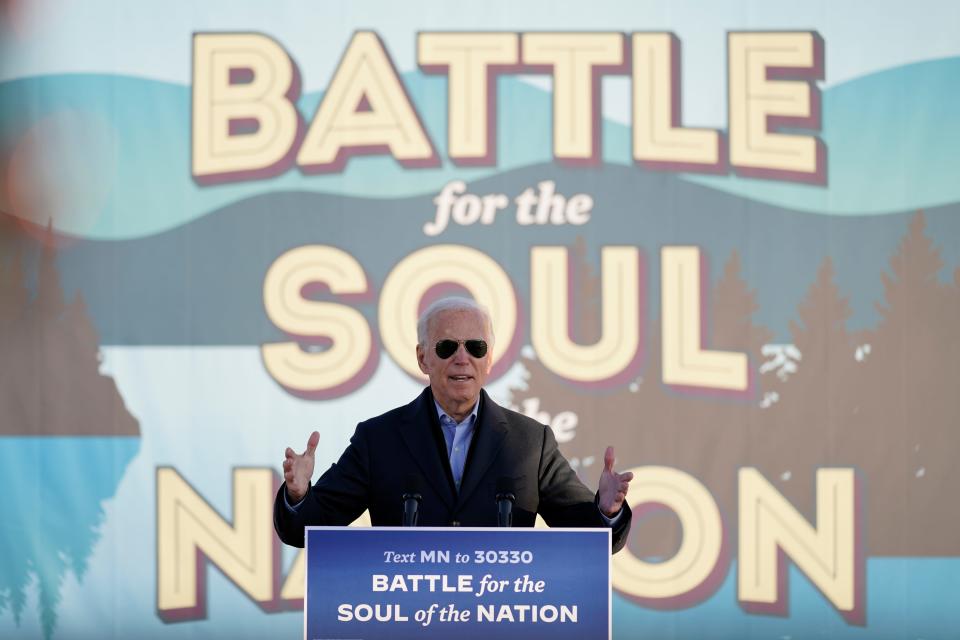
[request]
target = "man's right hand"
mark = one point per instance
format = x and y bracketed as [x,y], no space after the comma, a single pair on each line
[298,469]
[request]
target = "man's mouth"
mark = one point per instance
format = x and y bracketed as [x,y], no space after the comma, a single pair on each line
[461,378]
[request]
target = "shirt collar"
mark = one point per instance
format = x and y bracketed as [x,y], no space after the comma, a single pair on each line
[470,419]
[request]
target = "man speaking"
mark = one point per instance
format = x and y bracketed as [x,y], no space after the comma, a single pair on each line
[452,455]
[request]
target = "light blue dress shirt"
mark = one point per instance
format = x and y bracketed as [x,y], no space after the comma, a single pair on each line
[458,437]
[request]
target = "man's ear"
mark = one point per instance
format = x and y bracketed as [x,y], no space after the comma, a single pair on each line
[420,359]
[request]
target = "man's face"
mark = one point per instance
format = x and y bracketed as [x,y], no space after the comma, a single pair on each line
[456,381]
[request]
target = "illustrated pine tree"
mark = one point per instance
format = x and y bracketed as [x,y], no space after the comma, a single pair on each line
[13,302]
[907,432]
[52,359]
[816,391]
[13,292]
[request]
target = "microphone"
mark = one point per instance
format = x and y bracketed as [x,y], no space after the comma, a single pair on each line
[505,499]
[411,500]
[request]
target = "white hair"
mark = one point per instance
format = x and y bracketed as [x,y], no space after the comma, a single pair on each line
[455,303]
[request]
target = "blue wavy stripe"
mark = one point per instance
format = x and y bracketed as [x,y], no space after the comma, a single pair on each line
[892,140]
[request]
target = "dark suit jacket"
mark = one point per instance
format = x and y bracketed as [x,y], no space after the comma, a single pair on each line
[384,452]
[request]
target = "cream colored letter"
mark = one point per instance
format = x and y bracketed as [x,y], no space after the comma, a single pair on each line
[550,309]
[754,99]
[218,102]
[826,554]
[658,137]
[187,526]
[702,542]
[315,372]
[575,58]
[469,59]
[685,362]
[387,120]
[406,285]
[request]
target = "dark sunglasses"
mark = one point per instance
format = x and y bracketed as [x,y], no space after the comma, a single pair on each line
[446,348]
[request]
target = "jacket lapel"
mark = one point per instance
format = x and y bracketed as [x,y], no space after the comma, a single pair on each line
[416,429]
[487,441]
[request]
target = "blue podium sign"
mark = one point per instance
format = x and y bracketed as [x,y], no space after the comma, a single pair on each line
[463,583]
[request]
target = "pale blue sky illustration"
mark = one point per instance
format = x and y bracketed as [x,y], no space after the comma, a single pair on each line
[152,40]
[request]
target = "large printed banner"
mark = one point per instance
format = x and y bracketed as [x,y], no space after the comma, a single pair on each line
[722,237]
[395,583]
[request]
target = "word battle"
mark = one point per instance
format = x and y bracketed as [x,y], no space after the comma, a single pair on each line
[245,122]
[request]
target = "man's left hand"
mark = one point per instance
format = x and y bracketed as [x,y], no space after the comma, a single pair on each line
[613,486]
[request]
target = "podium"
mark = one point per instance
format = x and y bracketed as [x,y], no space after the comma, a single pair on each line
[465,583]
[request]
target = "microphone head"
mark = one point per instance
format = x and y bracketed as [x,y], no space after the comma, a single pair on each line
[505,489]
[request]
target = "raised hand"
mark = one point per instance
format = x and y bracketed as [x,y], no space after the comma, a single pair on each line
[298,469]
[613,486]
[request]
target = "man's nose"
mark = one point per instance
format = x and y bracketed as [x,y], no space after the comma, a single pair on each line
[461,355]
